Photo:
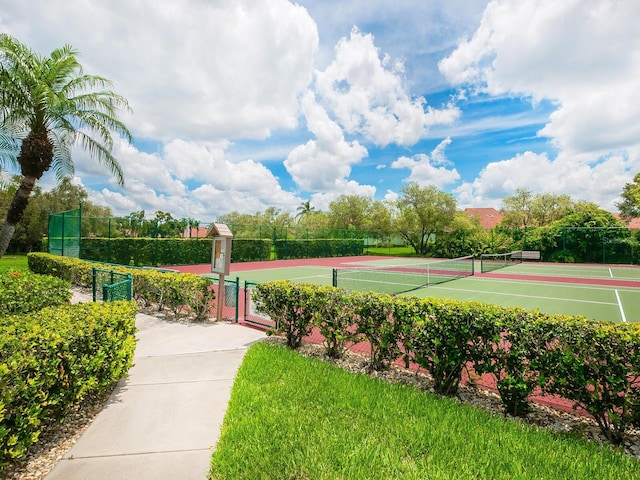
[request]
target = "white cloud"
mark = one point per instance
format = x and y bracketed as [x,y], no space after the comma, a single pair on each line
[391,196]
[193,70]
[324,163]
[322,200]
[190,180]
[367,95]
[429,169]
[599,183]
[583,56]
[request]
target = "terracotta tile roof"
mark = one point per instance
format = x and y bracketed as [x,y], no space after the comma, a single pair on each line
[633,224]
[489,217]
[200,232]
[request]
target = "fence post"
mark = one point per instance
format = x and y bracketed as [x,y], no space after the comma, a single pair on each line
[79,229]
[237,298]
[93,283]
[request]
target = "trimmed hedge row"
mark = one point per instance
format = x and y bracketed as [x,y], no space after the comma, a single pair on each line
[168,251]
[183,293]
[25,292]
[317,248]
[594,364]
[52,359]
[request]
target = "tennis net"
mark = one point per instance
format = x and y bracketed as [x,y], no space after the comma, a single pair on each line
[402,278]
[495,261]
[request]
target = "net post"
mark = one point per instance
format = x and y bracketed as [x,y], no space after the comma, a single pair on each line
[334,278]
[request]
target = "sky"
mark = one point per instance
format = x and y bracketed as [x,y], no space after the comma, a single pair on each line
[248,104]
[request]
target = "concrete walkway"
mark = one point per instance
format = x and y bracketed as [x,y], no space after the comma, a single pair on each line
[164,419]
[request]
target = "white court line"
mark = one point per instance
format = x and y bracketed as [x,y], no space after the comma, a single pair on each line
[610,273]
[555,285]
[624,319]
[537,297]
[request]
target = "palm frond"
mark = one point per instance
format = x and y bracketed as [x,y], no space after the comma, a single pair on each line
[9,149]
[52,93]
[102,155]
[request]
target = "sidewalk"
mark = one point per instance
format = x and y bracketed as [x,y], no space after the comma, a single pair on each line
[164,419]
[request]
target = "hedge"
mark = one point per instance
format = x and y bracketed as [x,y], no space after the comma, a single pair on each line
[185,294]
[167,251]
[25,292]
[317,248]
[594,364]
[52,359]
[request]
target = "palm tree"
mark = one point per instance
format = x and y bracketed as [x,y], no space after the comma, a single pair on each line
[304,209]
[47,105]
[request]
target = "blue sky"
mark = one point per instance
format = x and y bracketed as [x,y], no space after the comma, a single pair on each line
[245,105]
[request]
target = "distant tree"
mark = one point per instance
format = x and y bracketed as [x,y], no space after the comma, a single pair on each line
[546,208]
[630,205]
[378,219]
[168,226]
[583,233]
[517,209]
[274,216]
[421,212]
[132,223]
[314,220]
[47,106]
[192,224]
[350,212]
[236,218]
[65,196]
[304,209]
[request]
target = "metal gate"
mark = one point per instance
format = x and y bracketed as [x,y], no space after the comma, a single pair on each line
[251,315]
[110,286]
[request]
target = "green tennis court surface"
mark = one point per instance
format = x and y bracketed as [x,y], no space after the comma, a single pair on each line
[528,285]
[598,302]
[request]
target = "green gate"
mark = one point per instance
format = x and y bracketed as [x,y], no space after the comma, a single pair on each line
[110,286]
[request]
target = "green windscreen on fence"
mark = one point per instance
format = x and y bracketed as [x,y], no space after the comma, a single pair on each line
[64,233]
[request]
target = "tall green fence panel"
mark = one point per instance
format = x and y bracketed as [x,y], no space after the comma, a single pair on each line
[64,233]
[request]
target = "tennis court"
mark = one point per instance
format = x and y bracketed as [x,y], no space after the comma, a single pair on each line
[601,292]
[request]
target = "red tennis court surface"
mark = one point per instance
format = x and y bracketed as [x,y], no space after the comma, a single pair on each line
[335,262]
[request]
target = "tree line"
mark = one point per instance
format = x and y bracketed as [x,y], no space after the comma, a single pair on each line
[420,214]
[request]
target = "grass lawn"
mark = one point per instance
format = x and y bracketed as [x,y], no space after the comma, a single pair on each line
[392,251]
[293,417]
[13,262]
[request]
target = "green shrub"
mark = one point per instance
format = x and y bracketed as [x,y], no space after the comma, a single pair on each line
[450,334]
[24,292]
[317,248]
[290,305]
[335,319]
[73,270]
[52,359]
[374,320]
[182,293]
[597,365]
[519,339]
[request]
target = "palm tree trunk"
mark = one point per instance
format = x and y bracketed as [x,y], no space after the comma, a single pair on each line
[15,212]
